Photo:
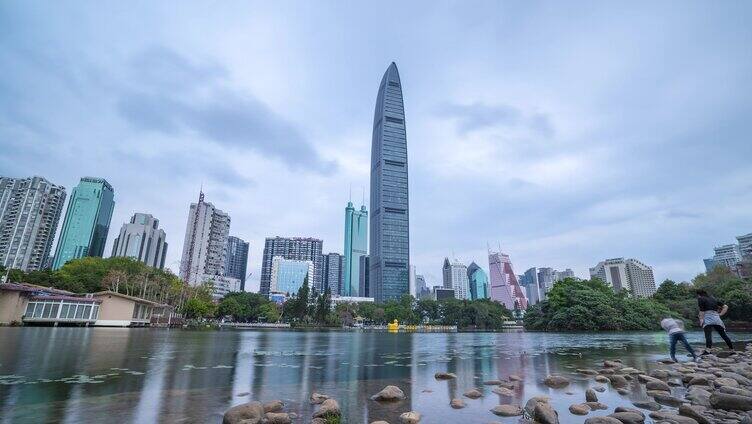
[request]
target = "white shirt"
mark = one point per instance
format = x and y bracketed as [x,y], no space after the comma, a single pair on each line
[673,326]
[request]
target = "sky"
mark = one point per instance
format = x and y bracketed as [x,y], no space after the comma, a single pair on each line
[563,133]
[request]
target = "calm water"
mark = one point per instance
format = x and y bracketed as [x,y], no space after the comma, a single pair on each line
[74,375]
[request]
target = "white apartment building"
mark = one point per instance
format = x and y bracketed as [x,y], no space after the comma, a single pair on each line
[143,240]
[205,239]
[628,274]
[455,277]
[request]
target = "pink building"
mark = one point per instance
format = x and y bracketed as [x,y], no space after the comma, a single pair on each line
[505,288]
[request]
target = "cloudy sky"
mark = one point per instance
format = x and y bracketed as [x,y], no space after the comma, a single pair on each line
[567,134]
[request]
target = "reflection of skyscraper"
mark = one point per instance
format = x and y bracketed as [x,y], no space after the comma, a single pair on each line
[478,280]
[505,288]
[356,246]
[390,234]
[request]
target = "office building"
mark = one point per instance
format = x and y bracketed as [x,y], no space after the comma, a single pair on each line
[30,210]
[87,221]
[745,245]
[529,280]
[205,240]
[287,275]
[626,274]
[421,288]
[221,284]
[333,267]
[442,293]
[356,246]
[236,259]
[478,282]
[390,213]
[142,240]
[505,288]
[295,248]
[455,277]
[364,284]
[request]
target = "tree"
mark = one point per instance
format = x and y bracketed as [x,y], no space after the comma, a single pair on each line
[229,306]
[269,312]
[323,306]
[197,308]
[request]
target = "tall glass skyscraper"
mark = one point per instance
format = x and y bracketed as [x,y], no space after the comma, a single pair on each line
[87,221]
[390,234]
[236,263]
[478,280]
[356,245]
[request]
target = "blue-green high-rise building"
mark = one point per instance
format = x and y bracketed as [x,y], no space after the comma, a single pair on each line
[356,245]
[478,280]
[87,221]
[390,213]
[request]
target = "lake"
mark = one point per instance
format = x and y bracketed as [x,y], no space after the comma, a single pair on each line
[142,375]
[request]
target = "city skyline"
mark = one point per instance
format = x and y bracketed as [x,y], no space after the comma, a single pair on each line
[619,178]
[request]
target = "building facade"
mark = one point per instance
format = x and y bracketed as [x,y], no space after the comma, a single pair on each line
[236,259]
[288,275]
[423,292]
[390,213]
[30,210]
[529,280]
[87,221]
[478,282]
[626,274]
[745,245]
[505,288]
[455,278]
[143,240]
[356,246]
[333,272]
[443,293]
[222,285]
[295,248]
[364,283]
[204,246]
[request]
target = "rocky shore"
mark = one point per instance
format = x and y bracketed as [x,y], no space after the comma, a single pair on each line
[717,389]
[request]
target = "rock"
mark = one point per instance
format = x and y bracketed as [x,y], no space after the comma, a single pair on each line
[508,410]
[648,405]
[628,417]
[736,391]
[602,379]
[730,402]
[693,412]
[672,418]
[579,409]
[599,389]
[699,380]
[642,378]
[556,381]
[250,413]
[723,381]
[665,398]
[698,396]
[243,394]
[411,417]
[659,374]
[602,420]
[587,371]
[318,421]
[503,391]
[596,406]
[380,422]
[317,398]
[533,402]
[622,391]
[473,394]
[492,382]
[457,403]
[274,406]
[514,377]
[675,382]
[658,385]
[590,396]
[444,376]
[625,409]
[613,364]
[629,370]
[618,381]
[607,371]
[389,393]
[329,408]
[277,418]
[545,414]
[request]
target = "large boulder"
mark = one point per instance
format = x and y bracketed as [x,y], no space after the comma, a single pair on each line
[694,412]
[736,391]
[698,396]
[277,418]
[628,417]
[658,385]
[730,402]
[724,381]
[329,408]
[618,381]
[595,406]
[671,417]
[274,406]
[545,414]
[590,396]
[503,391]
[613,364]
[647,405]
[587,371]
[556,381]
[579,409]
[473,394]
[507,410]
[457,403]
[249,413]
[665,398]
[602,420]
[411,417]
[389,393]
[318,398]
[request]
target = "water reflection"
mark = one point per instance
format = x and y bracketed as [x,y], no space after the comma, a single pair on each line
[76,375]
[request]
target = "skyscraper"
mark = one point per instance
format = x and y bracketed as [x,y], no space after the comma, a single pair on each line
[205,238]
[455,277]
[478,280]
[295,248]
[87,221]
[143,240]
[626,274]
[745,245]
[356,245]
[364,283]
[333,273]
[236,259]
[288,275]
[30,210]
[505,288]
[390,215]
[529,280]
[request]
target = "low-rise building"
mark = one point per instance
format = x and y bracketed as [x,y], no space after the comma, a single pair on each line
[121,310]
[36,305]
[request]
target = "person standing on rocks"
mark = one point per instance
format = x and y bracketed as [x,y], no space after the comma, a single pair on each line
[711,311]
[675,329]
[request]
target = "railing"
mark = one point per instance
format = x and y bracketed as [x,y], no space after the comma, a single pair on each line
[255,324]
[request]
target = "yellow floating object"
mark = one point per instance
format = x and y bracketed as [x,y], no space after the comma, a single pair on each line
[393,326]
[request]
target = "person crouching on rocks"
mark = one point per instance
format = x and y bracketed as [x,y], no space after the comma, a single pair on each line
[675,329]
[711,311]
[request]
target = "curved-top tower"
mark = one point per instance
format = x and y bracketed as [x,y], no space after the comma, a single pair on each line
[390,224]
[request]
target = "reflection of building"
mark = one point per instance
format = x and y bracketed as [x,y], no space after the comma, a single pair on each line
[505,288]
[288,275]
[356,246]
[295,248]
[441,293]
[455,277]
[478,281]
[30,210]
[390,233]
[205,239]
[236,259]
[333,272]
[626,274]
[87,221]
[142,240]
[364,284]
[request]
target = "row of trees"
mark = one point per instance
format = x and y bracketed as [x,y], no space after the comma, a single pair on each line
[591,305]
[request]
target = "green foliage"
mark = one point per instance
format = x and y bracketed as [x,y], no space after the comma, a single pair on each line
[298,308]
[269,312]
[323,306]
[198,308]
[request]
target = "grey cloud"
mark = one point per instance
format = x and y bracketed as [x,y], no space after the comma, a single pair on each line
[478,116]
